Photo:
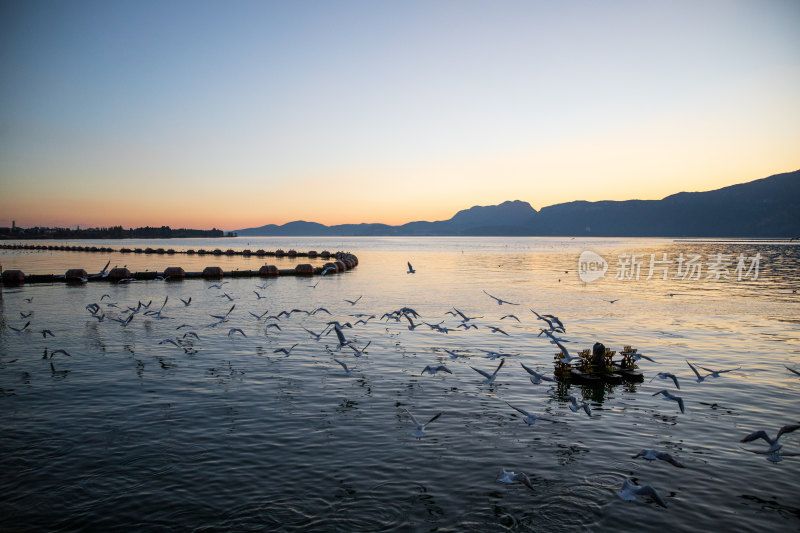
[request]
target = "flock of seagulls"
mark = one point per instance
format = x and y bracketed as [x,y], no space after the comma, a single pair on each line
[553,330]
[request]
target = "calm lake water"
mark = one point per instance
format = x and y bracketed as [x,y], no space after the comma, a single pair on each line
[222,433]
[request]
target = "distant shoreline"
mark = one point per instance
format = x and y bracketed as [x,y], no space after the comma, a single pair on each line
[114,232]
[4,238]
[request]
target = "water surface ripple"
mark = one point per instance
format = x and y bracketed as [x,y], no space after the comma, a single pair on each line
[223,433]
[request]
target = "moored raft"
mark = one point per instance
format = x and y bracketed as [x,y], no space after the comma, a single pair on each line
[598,367]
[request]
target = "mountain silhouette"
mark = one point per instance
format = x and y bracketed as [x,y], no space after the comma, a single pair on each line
[764,208]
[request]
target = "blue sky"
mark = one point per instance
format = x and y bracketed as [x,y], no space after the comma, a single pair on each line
[246,113]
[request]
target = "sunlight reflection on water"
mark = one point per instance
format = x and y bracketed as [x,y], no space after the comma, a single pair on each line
[130,432]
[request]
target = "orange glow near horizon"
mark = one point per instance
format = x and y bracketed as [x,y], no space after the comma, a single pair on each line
[346,203]
[270,112]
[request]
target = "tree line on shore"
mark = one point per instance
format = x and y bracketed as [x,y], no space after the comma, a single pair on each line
[113,232]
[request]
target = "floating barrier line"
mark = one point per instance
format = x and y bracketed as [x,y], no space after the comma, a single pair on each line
[168,251]
[341,262]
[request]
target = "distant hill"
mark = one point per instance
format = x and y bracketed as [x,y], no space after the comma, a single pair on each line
[764,208]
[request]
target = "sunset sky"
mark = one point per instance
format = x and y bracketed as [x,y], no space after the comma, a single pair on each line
[238,114]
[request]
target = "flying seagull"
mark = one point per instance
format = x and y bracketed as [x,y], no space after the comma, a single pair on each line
[430,369]
[667,375]
[499,301]
[716,373]
[669,396]
[530,418]
[344,366]
[700,378]
[420,431]
[536,377]
[773,443]
[489,377]
[23,328]
[287,351]
[574,405]
[509,478]
[652,455]
[629,491]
